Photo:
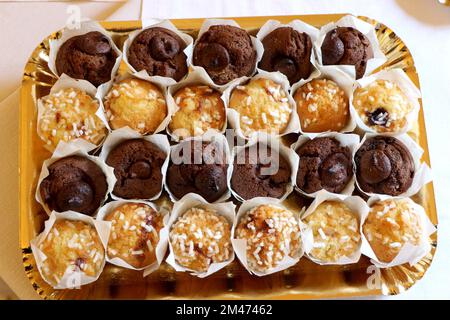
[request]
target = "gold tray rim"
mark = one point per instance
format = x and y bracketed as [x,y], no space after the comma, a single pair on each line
[249,23]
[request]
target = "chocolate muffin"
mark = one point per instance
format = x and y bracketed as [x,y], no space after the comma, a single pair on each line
[384,165]
[137,166]
[347,46]
[288,51]
[74,183]
[202,171]
[324,164]
[226,53]
[89,56]
[160,52]
[260,171]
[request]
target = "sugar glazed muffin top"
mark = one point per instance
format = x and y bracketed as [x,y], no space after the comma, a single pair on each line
[262,105]
[159,51]
[200,237]
[134,235]
[226,52]
[71,246]
[389,225]
[288,51]
[272,233]
[335,231]
[89,56]
[347,46]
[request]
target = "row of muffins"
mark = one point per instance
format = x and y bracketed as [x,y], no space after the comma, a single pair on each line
[386,105]
[131,166]
[203,238]
[190,109]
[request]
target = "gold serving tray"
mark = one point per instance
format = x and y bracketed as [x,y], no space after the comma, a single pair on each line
[304,280]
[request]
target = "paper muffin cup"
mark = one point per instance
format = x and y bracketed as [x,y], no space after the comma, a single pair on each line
[240,245]
[343,80]
[257,45]
[152,23]
[161,82]
[412,93]
[346,140]
[191,200]
[161,247]
[293,126]
[298,26]
[409,253]
[85,27]
[208,136]
[78,147]
[196,77]
[277,145]
[71,279]
[66,82]
[359,208]
[120,135]
[422,172]
[365,28]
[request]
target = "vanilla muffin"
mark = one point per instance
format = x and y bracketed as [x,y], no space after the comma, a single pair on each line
[322,106]
[200,237]
[389,225]
[335,229]
[69,114]
[262,105]
[200,109]
[74,246]
[272,233]
[382,106]
[134,233]
[137,104]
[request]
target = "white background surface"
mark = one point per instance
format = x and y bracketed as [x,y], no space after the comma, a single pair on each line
[424,26]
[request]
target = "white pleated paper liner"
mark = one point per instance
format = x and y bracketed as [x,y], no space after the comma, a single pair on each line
[71,279]
[85,27]
[209,136]
[422,172]
[298,26]
[240,245]
[346,140]
[78,147]
[365,28]
[166,24]
[197,76]
[257,45]
[399,77]
[161,82]
[123,134]
[66,82]
[191,200]
[279,148]
[343,80]
[293,126]
[161,247]
[409,253]
[358,207]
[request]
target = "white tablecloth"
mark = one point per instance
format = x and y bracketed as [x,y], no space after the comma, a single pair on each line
[424,25]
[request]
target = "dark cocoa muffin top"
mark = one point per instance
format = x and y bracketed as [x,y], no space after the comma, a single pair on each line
[347,46]
[137,166]
[288,51]
[89,56]
[198,167]
[226,53]
[384,165]
[324,164]
[160,52]
[260,171]
[74,183]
